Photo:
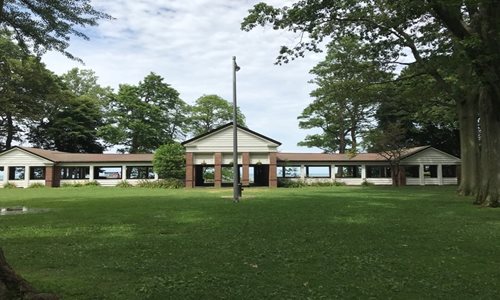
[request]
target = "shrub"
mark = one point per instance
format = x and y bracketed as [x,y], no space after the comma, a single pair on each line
[10,185]
[124,184]
[36,186]
[169,161]
[92,183]
[170,183]
[288,183]
[328,183]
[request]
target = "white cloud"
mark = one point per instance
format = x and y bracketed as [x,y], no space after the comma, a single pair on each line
[191,44]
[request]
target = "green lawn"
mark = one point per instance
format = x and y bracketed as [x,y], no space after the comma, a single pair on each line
[317,243]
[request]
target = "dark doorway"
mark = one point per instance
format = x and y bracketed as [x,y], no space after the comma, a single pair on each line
[204,175]
[261,175]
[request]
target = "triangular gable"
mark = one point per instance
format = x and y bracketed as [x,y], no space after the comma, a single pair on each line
[23,156]
[430,155]
[221,140]
[229,126]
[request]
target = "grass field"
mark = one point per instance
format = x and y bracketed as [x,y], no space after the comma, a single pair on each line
[316,243]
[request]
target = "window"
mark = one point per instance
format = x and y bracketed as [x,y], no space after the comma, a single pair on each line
[75,172]
[140,173]
[348,172]
[291,171]
[318,171]
[108,172]
[449,171]
[430,171]
[37,173]
[2,173]
[17,173]
[378,172]
[412,171]
[280,172]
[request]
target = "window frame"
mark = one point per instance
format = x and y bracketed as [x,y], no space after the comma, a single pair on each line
[12,173]
[149,171]
[32,177]
[97,168]
[356,171]
[329,168]
[385,170]
[80,173]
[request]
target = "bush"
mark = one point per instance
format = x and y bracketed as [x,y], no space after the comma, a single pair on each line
[288,183]
[9,185]
[328,183]
[171,183]
[92,183]
[124,184]
[169,161]
[36,186]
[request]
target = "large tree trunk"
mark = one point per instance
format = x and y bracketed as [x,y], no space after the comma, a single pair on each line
[489,113]
[13,286]
[469,144]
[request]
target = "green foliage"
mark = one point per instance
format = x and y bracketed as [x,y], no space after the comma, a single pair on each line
[92,183]
[72,184]
[36,186]
[9,185]
[48,25]
[170,183]
[27,89]
[169,161]
[210,112]
[124,184]
[288,183]
[145,116]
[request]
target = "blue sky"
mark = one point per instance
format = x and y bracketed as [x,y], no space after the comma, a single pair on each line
[191,45]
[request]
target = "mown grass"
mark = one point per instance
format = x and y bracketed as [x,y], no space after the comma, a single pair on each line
[317,243]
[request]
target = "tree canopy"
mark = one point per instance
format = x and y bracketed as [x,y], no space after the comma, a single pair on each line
[210,112]
[429,36]
[41,25]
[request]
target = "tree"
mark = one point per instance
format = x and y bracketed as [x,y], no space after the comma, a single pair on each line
[210,112]
[145,116]
[433,32]
[73,124]
[48,25]
[26,88]
[392,143]
[169,161]
[345,98]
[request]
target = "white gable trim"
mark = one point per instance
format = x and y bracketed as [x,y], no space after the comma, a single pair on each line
[40,159]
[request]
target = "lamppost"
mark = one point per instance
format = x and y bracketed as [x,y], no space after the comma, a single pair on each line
[236,196]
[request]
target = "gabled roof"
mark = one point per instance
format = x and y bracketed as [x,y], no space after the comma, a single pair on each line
[345,157]
[66,157]
[226,126]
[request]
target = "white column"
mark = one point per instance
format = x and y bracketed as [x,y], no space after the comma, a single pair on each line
[302,172]
[5,174]
[332,172]
[91,173]
[27,176]
[363,172]
[421,175]
[124,172]
[440,174]
[156,176]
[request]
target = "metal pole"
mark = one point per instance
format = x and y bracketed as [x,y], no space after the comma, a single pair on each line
[236,197]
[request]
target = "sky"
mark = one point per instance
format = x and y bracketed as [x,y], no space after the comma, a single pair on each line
[191,45]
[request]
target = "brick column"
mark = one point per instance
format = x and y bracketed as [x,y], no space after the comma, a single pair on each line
[245,162]
[189,170]
[218,170]
[49,176]
[273,181]
[56,177]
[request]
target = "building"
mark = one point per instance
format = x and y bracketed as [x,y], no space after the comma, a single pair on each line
[24,166]
[210,156]
[209,162]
